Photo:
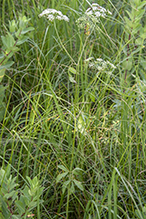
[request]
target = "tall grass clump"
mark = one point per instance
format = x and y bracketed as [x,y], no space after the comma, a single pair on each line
[73,110]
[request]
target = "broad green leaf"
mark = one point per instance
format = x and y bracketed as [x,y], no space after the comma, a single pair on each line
[78,184]
[127,64]
[72,79]
[26,193]
[22,40]
[60,176]
[14,49]
[10,194]
[65,184]
[131,15]
[72,70]
[26,30]
[139,41]
[141,5]
[143,63]
[6,66]
[76,170]
[63,168]
[128,22]
[8,41]
[21,206]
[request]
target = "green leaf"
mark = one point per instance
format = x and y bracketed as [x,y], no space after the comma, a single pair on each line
[72,70]
[72,79]
[78,184]
[127,64]
[10,195]
[5,210]
[26,194]
[92,96]
[65,184]
[2,73]
[2,56]
[72,188]
[60,176]
[26,30]
[15,217]
[29,180]
[138,41]
[63,168]
[81,124]
[6,66]
[143,63]
[12,26]
[22,40]
[128,22]
[76,170]
[21,206]
[8,41]
[141,5]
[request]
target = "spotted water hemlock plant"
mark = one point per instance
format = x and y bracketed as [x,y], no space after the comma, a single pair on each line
[52,14]
[92,16]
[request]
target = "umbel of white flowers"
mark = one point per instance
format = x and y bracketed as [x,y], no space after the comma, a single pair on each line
[52,14]
[92,16]
[100,65]
[97,11]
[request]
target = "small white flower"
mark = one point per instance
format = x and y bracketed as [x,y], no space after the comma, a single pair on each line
[60,13]
[91,65]
[99,68]
[98,14]
[65,18]
[89,12]
[99,60]
[58,17]
[88,59]
[50,17]
[109,12]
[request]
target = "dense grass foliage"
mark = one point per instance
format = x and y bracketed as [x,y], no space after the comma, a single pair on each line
[75,112]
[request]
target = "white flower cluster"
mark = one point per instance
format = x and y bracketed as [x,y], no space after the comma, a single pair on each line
[53,14]
[92,16]
[100,65]
[97,11]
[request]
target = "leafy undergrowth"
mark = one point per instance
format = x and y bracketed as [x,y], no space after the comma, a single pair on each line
[75,110]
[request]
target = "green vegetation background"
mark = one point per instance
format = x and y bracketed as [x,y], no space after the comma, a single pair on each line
[81,131]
